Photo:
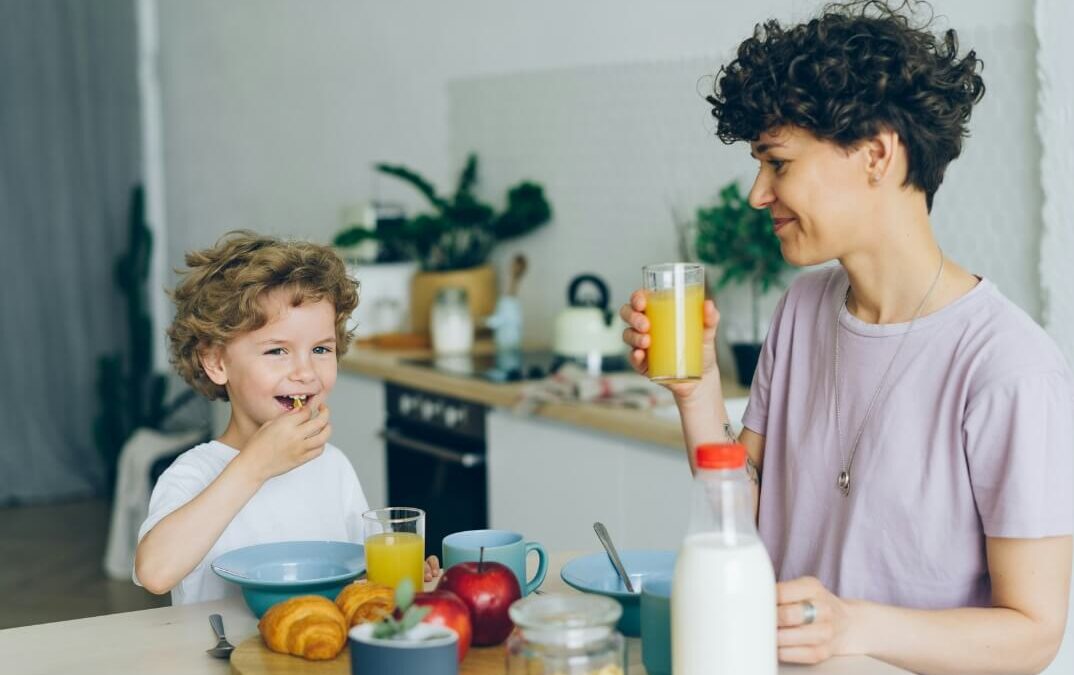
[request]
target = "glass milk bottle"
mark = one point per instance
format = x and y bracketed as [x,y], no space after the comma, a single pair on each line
[723,599]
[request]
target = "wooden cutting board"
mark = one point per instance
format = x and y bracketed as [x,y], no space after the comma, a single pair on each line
[252,657]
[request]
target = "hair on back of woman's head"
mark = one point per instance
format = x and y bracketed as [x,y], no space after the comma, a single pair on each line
[858,69]
[220,295]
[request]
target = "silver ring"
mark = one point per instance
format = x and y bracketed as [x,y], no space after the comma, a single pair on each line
[809,613]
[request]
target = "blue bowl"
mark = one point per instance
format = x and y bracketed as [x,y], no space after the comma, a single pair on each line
[272,573]
[595,574]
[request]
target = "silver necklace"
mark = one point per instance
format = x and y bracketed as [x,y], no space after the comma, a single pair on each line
[842,481]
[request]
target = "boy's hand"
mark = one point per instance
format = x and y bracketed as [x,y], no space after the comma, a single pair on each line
[287,441]
[432,568]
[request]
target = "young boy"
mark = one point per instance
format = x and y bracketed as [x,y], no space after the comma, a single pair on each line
[260,323]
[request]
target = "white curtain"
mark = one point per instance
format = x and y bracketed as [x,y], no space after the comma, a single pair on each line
[69,156]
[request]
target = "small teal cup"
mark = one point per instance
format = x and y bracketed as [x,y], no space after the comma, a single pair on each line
[656,625]
[502,546]
[431,650]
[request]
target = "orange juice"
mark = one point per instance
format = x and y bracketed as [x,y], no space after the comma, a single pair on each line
[393,556]
[675,324]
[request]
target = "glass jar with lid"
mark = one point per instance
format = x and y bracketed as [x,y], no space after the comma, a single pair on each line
[565,634]
[451,324]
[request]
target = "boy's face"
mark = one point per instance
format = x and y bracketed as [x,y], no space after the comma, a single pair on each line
[294,354]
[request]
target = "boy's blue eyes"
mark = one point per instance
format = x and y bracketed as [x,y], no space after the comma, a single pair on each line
[278,351]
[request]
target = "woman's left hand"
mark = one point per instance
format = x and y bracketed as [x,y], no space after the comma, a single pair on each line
[810,635]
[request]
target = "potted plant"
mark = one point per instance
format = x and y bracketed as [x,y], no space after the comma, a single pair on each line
[402,643]
[738,239]
[452,243]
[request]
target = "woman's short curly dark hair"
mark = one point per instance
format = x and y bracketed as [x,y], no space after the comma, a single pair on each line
[220,295]
[858,69]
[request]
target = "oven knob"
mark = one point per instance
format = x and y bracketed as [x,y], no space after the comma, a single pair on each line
[427,410]
[451,417]
[405,403]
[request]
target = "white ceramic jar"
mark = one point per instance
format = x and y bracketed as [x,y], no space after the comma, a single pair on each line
[450,322]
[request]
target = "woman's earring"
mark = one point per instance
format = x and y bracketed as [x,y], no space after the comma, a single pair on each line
[874,179]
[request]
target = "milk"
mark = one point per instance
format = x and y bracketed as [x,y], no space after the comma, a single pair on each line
[723,608]
[723,599]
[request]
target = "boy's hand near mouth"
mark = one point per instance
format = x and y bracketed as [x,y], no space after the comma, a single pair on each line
[285,442]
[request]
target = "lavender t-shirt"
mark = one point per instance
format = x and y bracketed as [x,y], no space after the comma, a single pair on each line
[971,436]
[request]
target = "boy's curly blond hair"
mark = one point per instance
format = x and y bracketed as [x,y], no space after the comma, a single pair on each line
[220,293]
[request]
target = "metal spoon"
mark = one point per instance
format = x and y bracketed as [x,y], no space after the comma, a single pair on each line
[231,572]
[609,548]
[223,648]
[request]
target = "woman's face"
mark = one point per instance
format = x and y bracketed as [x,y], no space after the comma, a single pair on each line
[818,193]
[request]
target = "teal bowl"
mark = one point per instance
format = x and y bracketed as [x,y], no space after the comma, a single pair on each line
[595,574]
[272,573]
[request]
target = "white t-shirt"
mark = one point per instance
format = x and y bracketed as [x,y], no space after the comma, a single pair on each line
[320,500]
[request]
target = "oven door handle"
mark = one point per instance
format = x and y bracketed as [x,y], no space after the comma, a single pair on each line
[466,459]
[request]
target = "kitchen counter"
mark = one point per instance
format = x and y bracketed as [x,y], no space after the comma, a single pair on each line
[173,640]
[644,426]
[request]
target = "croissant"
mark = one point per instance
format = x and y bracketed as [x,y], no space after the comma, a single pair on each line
[309,626]
[364,601]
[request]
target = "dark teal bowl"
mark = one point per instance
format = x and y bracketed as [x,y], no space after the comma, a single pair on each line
[595,574]
[272,573]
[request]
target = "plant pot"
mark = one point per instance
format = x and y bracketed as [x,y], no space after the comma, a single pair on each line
[384,300]
[746,355]
[429,650]
[481,290]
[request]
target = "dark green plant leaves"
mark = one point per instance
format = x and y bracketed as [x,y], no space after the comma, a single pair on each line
[739,240]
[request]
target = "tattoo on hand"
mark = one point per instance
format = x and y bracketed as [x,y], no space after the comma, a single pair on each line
[752,472]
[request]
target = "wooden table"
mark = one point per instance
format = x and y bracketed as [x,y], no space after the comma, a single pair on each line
[174,639]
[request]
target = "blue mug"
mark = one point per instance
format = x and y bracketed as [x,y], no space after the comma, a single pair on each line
[502,546]
[656,624]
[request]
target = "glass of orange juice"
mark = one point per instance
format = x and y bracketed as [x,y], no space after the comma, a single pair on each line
[674,304]
[395,545]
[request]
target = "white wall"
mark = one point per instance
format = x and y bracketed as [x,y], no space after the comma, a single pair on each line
[274,114]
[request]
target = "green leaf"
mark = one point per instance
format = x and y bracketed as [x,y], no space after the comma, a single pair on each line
[418,182]
[413,617]
[404,594]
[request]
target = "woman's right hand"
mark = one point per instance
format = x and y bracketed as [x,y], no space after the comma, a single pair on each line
[636,336]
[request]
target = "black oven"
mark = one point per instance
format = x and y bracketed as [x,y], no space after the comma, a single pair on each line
[436,460]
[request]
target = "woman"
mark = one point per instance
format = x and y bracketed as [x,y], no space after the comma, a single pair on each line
[909,428]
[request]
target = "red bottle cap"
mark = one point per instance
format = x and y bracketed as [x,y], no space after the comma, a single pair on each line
[721,456]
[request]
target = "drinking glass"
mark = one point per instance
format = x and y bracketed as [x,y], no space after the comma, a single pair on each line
[395,545]
[674,304]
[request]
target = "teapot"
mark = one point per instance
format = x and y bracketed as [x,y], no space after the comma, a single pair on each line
[587,328]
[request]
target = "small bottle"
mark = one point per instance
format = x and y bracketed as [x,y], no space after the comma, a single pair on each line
[451,323]
[723,599]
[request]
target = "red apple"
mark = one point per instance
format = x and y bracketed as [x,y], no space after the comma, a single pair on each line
[488,589]
[449,611]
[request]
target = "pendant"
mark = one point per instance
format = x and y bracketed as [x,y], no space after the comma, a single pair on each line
[843,483]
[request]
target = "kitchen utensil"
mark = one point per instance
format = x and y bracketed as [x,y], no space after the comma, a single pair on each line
[395,545]
[656,625]
[674,305]
[613,555]
[518,268]
[565,633]
[594,573]
[271,573]
[586,330]
[223,648]
[502,546]
[233,573]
